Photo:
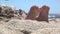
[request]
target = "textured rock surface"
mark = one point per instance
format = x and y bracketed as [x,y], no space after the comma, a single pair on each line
[43,16]
[7,11]
[33,13]
[16,26]
[39,14]
[47,31]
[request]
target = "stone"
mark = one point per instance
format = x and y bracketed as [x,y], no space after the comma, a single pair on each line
[5,11]
[47,31]
[43,16]
[33,13]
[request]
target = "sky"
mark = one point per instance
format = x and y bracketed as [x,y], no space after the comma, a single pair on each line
[26,4]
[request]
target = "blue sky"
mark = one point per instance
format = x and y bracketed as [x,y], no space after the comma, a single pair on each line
[26,4]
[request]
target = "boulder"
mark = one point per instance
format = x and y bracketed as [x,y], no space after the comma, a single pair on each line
[44,11]
[6,11]
[33,13]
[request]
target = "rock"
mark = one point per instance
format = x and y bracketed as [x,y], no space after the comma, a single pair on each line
[4,19]
[29,25]
[6,11]
[0,9]
[17,26]
[39,14]
[22,25]
[47,31]
[6,30]
[21,11]
[33,13]
[23,14]
[43,16]
[11,12]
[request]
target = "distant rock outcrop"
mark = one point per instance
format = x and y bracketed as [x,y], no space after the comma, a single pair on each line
[33,13]
[22,13]
[44,11]
[7,11]
[39,14]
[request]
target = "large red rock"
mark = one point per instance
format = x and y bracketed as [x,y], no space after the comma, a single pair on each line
[43,16]
[33,13]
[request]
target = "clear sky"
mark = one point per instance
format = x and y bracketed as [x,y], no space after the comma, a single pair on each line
[26,4]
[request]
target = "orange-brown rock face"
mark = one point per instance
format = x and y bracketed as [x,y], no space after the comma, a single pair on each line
[43,16]
[33,13]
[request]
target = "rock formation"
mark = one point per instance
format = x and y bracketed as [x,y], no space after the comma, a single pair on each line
[7,11]
[17,26]
[33,13]
[22,13]
[43,16]
[39,14]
